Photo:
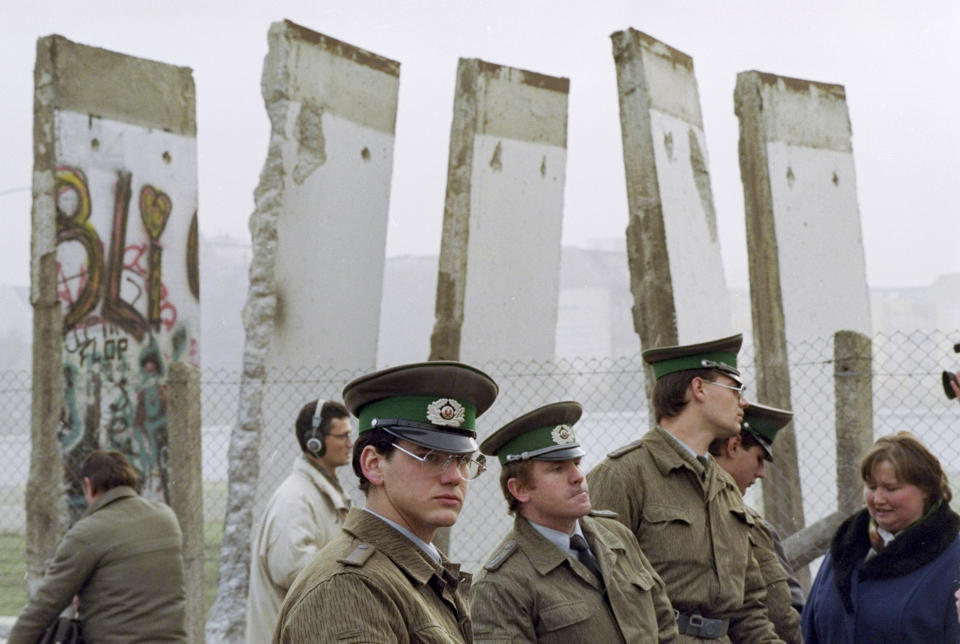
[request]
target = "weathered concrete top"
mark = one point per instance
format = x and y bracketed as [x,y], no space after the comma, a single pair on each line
[800,112]
[124,88]
[520,104]
[335,76]
[668,76]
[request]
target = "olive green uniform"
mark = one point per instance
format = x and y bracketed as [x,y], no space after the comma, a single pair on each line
[785,618]
[532,591]
[372,584]
[692,524]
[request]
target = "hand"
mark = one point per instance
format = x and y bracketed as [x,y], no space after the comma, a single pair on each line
[956,391]
[957,596]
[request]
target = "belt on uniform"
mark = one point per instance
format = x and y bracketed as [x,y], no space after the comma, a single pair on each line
[700,626]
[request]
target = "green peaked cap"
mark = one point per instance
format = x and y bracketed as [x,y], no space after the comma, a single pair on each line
[544,434]
[720,355]
[763,423]
[432,404]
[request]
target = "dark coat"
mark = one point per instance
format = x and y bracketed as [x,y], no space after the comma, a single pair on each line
[124,559]
[903,594]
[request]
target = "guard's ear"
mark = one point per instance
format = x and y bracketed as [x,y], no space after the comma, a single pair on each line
[371,462]
[734,444]
[696,389]
[518,490]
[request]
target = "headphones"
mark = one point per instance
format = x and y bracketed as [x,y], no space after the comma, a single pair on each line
[315,444]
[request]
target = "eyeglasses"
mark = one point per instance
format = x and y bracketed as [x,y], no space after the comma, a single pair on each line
[436,463]
[740,390]
[344,436]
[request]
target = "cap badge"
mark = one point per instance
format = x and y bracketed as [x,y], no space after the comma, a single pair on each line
[563,434]
[446,412]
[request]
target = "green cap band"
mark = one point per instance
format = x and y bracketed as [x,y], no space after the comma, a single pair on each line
[438,411]
[535,440]
[687,363]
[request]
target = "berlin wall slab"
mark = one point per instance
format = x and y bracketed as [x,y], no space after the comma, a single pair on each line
[500,252]
[116,204]
[807,267]
[318,234]
[676,271]
[114,264]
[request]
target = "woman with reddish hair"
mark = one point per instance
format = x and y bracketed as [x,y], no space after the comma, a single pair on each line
[892,568]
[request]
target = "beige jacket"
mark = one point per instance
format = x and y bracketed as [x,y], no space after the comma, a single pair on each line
[301,517]
[531,591]
[693,526]
[372,584]
[785,618]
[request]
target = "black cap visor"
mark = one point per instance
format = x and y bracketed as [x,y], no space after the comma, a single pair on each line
[763,442]
[440,440]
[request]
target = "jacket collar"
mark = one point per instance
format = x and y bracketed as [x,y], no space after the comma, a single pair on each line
[321,482]
[111,495]
[401,551]
[606,544]
[545,556]
[911,550]
[669,456]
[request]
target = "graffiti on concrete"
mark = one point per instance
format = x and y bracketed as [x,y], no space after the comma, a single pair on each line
[127,315]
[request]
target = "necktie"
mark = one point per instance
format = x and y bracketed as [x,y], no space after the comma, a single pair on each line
[578,543]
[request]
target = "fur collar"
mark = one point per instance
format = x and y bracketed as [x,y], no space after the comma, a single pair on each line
[913,549]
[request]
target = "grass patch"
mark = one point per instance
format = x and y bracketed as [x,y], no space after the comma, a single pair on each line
[212,536]
[13,570]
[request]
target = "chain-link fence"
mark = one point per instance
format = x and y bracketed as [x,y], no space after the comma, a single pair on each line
[906,396]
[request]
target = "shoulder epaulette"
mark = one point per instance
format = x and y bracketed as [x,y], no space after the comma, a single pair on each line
[603,514]
[501,555]
[629,447]
[358,556]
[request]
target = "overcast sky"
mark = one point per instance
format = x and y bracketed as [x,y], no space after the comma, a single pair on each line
[897,62]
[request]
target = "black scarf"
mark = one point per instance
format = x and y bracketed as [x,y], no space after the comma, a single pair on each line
[913,549]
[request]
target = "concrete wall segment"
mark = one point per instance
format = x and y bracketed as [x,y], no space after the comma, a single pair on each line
[822,265]
[318,234]
[805,113]
[654,314]
[511,106]
[114,276]
[123,88]
[343,85]
[513,265]
[669,77]
[452,271]
[341,49]
[504,200]
[696,267]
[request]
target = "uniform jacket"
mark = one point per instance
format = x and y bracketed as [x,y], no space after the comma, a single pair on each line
[372,584]
[776,577]
[124,558]
[531,591]
[301,517]
[692,525]
[903,595]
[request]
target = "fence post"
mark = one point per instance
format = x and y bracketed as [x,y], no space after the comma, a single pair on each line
[186,484]
[853,387]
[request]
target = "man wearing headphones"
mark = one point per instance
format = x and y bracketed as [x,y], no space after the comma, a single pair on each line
[303,514]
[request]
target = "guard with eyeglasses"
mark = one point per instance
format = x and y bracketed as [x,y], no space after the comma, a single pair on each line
[686,512]
[564,573]
[382,579]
